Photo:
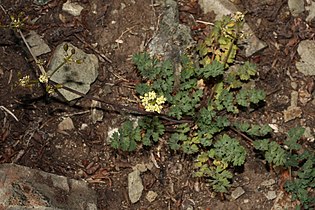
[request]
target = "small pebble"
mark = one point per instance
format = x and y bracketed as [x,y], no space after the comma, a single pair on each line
[271,195]
[237,193]
[151,196]
[66,124]
[268,182]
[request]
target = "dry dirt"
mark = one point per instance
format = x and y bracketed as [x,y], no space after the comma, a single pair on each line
[34,140]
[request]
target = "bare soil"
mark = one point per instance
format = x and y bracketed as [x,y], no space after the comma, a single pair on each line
[122,28]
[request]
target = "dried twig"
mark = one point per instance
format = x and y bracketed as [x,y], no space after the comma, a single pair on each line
[8,111]
[118,40]
[41,68]
[204,22]
[95,50]
[121,108]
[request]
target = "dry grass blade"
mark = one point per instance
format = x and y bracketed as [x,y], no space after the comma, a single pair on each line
[8,111]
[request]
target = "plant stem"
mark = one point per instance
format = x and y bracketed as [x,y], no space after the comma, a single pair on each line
[41,68]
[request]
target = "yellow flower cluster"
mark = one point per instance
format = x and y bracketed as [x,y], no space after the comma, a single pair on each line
[43,78]
[238,16]
[152,103]
[25,81]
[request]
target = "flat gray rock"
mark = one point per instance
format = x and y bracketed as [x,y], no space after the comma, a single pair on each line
[268,182]
[270,195]
[306,65]
[296,7]
[225,7]
[237,193]
[37,44]
[73,8]
[172,38]
[66,124]
[135,186]
[25,188]
[311,11]
[78,77]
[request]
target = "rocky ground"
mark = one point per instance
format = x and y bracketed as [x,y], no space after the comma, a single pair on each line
[69,141]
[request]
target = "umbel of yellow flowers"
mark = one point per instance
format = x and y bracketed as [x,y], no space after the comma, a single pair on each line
[152,103]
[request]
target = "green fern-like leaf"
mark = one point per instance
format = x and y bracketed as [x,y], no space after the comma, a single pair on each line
[225,100]
[274,153]
[220,180]
[153,129]
[126,138]
[143,88]
[174,141]
[247,96]
[294,135]
[115,141]
[229,150]
[262,145]
[246,71]
[211,70]
[146,65]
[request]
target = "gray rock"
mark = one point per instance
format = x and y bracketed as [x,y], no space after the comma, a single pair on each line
[140,167]
[172,38]
[308,134]
[270,195]
[296,7]
[268,182]
[291,113]
[73,8]
[237,193]
[283,201]
[66,124]
[311,11]
[78,77]
[294,98]
[220,8]
[225,7]
[135,186]
[307,53]
[37,44]
[151,196]
[96,114]
[26,188]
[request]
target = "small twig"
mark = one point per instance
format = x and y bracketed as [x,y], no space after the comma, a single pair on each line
[8,111]
[204,22]
[10,76]
[3,9]
[41,68]
[157,27]
[94,50]
[120,108]
[248,139]
[119,77]
[154,4]
[273,91]
[72,114]
[18,156]
[130,100]
[123,33]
